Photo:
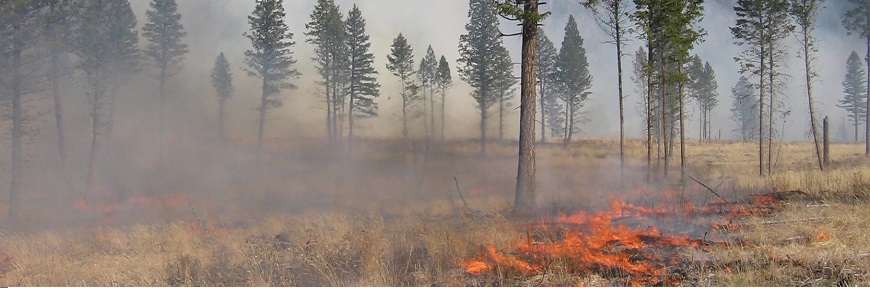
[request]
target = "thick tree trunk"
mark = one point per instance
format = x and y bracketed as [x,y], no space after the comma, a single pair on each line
[524,201]
[543,117]
[15,181]
[58,108]
[813,126]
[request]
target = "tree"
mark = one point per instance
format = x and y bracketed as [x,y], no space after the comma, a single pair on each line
[572,70]
[400,62]
[504,82]
[524,201]
[426,75]
[745,109]
[57,31]
[362,85]
[857,21]
[805,13]
[443,81]
[271,58]
[106,47]
[614,21]
[164,32]
[702,87]
[478,59]
[222,81]
[854,98]
[18,37]
[545,72]
[326,31]
[760,24]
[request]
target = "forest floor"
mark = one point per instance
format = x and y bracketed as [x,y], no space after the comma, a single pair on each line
[385,215]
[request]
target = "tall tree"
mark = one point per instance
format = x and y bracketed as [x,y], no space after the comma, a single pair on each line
[18,33]
[745,109]
[857,22]
[545,72]
[527,12]
[164,32]
[326,31]
[271,59]
[443,81]
[504,83]
[854,98]
[702,87]
[363,87]
[478,59]
[106,48]
[400,62]
[426,75]
[611,15]
[805,14]
[57,31]
[760,25]
[572,69]
[222,81]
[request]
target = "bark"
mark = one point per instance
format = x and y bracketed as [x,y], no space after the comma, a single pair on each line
[524,202]
[682,128]
[761,111]
[649,111]
[443,100]
[665,125]
[867,114]
[95,122]
[431,112]
[543,117]
[501,116]
[58,108]
[567,136]
[221,120]
[621,105]
[15,181]
[350,106]
[482,129]
[329,111]
[162,111]
[770,111]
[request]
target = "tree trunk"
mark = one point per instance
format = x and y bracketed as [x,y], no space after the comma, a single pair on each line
[350,119]
[524,201]
[95,125]
[162,112]
[543,117]
[431,112]
[770,111]
[404,110]
[221,121]
[867,113]
[262,116]
[566,137]
[682,127]
[649,110]
[15,181]
[443,100]
[761,112]
[815,131]
[482,128]
[621,105]
[664,117]
[58,108]
[329,112]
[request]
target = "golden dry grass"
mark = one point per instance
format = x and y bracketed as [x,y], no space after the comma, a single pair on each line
[409,229]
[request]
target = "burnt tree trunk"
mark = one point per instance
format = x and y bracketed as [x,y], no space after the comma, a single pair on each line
[524,202]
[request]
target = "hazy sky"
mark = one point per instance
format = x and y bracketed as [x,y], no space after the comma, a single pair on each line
[216,26]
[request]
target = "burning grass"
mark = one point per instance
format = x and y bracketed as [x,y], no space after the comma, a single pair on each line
[390,221]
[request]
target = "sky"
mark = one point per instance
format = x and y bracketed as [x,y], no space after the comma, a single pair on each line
[217,26]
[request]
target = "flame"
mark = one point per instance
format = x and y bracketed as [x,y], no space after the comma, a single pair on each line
[593,243]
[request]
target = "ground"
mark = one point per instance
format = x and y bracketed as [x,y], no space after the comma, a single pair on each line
[389,214]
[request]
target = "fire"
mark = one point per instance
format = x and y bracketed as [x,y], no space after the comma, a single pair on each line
[109,209]
[598,243]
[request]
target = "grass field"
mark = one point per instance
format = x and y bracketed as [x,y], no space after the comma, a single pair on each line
[385,215]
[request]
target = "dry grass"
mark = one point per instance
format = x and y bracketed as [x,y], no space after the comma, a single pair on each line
[372,230]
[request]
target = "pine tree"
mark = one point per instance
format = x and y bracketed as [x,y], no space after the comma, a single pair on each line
[701,86]
[106,48]
[17,40]
[805,13]
[363,87]
[222,81]
[326,31]
[477,59]
[745,109]
[164,32]
[443,82]
[400,62]
[854,88]
[271,58]
[574,80]
[58,36]
[545,72]
[857,22]
[426,75]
